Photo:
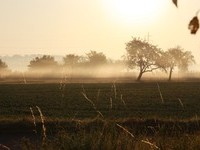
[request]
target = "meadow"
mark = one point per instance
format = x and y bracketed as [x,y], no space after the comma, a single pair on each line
[140,115]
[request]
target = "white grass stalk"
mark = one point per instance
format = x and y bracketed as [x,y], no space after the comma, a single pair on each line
[121,97]
[124,129]
[115,90]
[83,89]
[181,103]
[161,96]
[43,126]
[92,103]
[150,144]
[34,120]
[143,141]
[98,93]
[24,79]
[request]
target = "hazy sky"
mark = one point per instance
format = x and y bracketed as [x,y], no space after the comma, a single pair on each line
[78,26]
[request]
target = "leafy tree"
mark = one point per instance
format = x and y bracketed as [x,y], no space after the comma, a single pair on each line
[71,60]
[94,58]
[44,62]
[3,65]
[4,69]
[144,56]
[176,57]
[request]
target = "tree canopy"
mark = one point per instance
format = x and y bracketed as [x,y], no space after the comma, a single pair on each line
[143,55]
[44,62]
[3,65]
[71,60]
[94,58]
[177,57]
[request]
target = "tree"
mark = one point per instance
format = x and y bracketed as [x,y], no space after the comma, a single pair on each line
[176,57]
[144,56]
[4,69]
[71,60]
[3,65]
[44,62]
[96,59]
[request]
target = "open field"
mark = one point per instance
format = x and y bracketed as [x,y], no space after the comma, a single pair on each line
[181,100]
[148,110]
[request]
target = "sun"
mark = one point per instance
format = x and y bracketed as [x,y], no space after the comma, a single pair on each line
[130,11]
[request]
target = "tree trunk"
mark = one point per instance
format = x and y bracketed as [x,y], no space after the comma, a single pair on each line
[139,76]
[170,74]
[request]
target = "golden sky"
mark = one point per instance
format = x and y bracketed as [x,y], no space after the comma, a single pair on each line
[78,26]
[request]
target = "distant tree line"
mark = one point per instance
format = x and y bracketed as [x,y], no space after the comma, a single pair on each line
[73,65]
[92,59]
[140,55]
[3,68]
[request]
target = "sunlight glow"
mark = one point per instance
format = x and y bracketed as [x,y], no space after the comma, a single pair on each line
[130,11]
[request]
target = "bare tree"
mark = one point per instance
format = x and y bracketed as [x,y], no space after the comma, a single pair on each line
[144,56]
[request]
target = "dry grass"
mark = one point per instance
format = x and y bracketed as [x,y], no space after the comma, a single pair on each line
[34,120]
[126,130]
[44,136]
[104,133]
[92,103]
[161,96]
[122,100]
[181,103]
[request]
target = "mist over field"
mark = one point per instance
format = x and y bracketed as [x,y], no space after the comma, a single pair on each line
[91,65]
[99,75]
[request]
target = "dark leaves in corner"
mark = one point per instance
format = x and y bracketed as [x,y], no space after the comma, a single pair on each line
[175,2]
[194,25]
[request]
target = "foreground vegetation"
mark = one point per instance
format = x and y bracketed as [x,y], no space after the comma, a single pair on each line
[101,116]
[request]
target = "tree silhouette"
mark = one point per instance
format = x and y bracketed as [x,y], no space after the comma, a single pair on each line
[176,57]
[144,56]
[95,59]
[44,62]
[3,68]
[3,65]
[71,60]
